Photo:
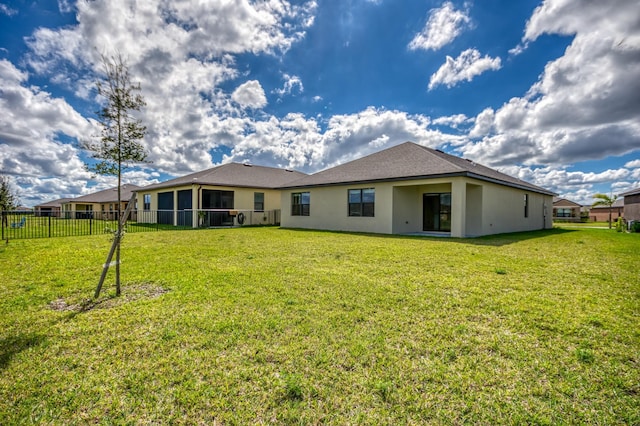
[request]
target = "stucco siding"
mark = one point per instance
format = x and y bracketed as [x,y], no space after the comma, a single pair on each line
[329,210]
[504,210]
[632,207]
[478,208]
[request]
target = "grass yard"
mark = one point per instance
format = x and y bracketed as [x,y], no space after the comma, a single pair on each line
[265,325]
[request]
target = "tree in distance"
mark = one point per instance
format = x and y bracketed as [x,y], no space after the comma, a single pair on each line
[605,200]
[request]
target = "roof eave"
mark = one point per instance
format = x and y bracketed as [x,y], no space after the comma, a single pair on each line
[524,186]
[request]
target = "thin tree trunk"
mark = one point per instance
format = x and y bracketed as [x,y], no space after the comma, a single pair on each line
[116,243]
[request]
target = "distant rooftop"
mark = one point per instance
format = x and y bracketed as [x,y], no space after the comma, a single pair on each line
[236,175]
[108,195]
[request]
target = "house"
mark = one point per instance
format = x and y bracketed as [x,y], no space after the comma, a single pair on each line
[413,189]
[220,196]
[50,208]
[98,205]
[631,201]
[601,213]
[566,210]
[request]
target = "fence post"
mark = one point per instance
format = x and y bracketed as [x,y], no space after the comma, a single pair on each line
[49,226]
[90,224]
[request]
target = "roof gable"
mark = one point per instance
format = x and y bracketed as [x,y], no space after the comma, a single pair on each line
[234,175]
[563,202]
[408,161]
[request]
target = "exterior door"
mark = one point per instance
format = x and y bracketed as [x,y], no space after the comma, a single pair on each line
[165,208]
[185,201]
[436,212]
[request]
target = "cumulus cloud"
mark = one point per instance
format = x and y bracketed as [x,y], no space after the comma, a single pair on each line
[584,105]
[442,27]
[453,121]
[298,142]
[291,83]
[30,126]
[466,66]
[250,95]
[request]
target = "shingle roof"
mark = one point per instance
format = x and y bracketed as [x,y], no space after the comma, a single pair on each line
[235,175]
[618,203]
[55,203]
[557,201]
[108,195]
[632,192]
[409,161]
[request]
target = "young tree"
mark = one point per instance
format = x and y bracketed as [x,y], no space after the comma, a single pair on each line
[605,200]
[119,146]
[8,199]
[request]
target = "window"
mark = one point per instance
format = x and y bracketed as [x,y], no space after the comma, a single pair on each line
[216,199]
[258,201]
[560,212]
[300,203]
[526,205]
[362,202]
[147,202]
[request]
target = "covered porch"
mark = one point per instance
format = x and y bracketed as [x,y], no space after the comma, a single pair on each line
[439,207]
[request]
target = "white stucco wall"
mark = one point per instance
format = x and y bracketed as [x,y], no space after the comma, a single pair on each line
[329,210]
[478,208]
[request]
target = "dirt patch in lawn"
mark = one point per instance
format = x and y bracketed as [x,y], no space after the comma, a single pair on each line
[130,293]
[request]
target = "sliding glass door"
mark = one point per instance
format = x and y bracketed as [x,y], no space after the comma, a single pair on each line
[436,211]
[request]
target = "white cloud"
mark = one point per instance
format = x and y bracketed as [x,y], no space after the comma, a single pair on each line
[298,142]
[466,66]
[31,122]
[6,10]
[250,95]
[442,27]
[576,186]
[453,121]
[291,83]
[633,164]
[584,105]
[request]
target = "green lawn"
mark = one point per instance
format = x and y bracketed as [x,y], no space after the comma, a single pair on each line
[265,325]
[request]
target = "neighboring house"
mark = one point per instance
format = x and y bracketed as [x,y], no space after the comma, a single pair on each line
[413,189]
[566,210]
[220,196]
[99,205]
[601,213]
[631,200]
[51,208]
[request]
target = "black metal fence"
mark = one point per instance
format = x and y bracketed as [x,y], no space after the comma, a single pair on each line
[29,224]
[25,224]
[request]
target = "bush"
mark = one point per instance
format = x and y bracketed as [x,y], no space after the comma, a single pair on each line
[635,226]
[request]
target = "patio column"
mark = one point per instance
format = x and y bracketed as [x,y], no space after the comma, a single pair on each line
[195,204]
[458,207]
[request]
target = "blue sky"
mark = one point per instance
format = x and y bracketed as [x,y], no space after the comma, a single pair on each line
[543,90]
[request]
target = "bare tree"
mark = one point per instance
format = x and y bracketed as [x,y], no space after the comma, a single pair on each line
[119,146]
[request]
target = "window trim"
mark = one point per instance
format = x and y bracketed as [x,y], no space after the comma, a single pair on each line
[364,208]
[258,206]
[298,208]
